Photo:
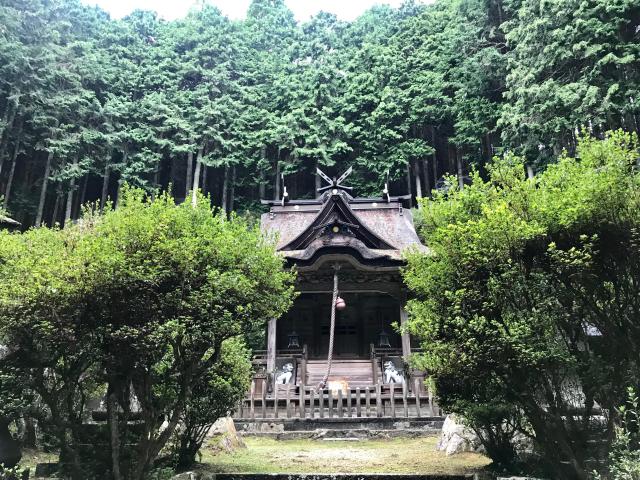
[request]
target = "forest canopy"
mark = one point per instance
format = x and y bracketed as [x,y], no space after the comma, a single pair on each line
[88,103]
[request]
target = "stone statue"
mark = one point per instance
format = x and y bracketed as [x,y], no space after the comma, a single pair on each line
[391,373]
[284,377]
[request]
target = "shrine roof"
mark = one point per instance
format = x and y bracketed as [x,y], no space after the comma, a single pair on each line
[7,222]
[378,230]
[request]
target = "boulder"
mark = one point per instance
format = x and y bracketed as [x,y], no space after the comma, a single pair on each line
[263,427]
[187,476]
[224,431]
[221,426]
[194,476]
[455,437]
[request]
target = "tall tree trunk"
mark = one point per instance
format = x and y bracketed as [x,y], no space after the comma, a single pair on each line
[189,179]
[82,197]
[30,437]
[105,184]
[293,184]
[205,179]
[451,158]
[573,142]
[232,192]
[118,191]
[425,176]
[276,183]
[416,174]
[5,119]
[69,206]
[225,187]
[7,191]
[114,437]
[434,158]
[196,178]
[156,179]
[125,157]
[409,189]
[12,172]
[460,169]
[56,207]
[43,190]
[262,186]
[4,139]
[487,146]
[262,190]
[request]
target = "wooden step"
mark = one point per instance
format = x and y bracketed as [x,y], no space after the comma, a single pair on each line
[355,372]
[339,360]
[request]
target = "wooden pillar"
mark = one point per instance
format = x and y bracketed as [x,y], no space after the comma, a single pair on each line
[271,346]
[406,340]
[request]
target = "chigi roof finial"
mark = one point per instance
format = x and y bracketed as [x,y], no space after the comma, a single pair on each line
[334,184]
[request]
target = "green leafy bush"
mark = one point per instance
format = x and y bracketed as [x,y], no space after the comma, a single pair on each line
[624,459]
[138,301]
[527,302]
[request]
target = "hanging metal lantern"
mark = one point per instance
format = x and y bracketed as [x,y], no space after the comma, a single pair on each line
[340,303]
[383,340]
[294,340]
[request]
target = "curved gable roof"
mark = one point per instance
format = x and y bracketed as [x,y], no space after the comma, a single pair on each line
[376,229]
[337,213]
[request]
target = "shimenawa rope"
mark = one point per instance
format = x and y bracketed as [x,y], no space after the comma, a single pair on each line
[332,328]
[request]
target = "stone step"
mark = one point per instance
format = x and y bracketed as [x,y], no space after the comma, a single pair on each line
[345,434]
[354,382]
[320,476]
[280,425]
[338,360]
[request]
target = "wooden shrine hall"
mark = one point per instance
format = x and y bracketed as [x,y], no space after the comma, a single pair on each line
[359,244]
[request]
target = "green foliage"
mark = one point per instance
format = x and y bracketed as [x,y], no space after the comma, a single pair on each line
[141,299]
[45,321]
[521,273]
[624,459]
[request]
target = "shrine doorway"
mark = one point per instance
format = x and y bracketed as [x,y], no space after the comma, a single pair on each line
[358,326]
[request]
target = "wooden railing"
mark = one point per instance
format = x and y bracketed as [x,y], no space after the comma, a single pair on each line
[299,354]
[261,355]
[378,352]
[292,401]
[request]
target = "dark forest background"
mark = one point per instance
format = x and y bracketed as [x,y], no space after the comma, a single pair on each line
[88,103]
